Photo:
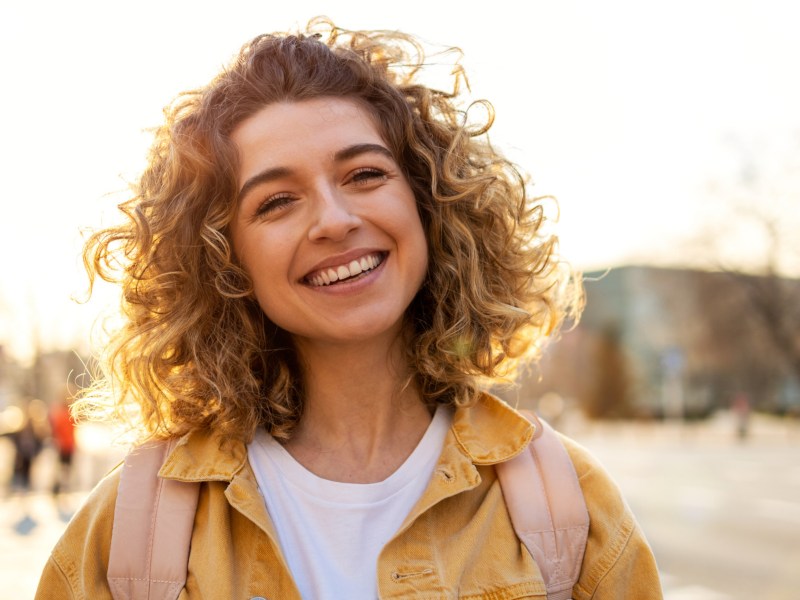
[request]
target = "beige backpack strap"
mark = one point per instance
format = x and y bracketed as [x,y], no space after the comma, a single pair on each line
[547,509]
[152,531]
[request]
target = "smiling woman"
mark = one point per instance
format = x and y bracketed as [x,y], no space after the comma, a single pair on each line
[322,264]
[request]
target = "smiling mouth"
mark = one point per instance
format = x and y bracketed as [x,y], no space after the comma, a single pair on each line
[345,272]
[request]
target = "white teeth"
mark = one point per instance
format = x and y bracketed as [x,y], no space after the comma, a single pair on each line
[355,267]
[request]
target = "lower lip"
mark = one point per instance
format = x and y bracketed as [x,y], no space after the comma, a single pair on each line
[352,285]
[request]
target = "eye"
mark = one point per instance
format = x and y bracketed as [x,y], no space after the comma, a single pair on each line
[273,203]
[367,175]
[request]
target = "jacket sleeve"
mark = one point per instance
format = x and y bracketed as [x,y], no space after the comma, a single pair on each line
[618,563]
[53,583]
[78,564]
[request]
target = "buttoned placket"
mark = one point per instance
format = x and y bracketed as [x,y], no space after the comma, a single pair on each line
[245,497]
[418,577]
[456,472]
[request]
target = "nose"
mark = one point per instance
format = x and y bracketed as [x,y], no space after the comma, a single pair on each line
[333,217]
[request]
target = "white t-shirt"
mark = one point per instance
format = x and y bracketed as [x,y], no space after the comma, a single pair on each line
[332,532]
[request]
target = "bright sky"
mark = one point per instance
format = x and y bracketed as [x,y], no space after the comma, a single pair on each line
[641,117]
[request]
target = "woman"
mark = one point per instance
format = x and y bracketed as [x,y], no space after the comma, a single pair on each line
[321,262]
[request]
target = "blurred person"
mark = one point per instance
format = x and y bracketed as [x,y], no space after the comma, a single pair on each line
[62,431]
[322,264]
[741,410]
[28,443]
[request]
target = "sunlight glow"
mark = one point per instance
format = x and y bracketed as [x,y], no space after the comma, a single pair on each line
[623,110]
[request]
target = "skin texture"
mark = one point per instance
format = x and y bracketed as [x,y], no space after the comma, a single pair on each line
[318,189]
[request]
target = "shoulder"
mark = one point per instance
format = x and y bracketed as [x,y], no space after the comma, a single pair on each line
[78,564]
[618,562]
[611,521]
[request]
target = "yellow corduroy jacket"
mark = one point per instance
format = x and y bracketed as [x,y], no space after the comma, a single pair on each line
[457,542]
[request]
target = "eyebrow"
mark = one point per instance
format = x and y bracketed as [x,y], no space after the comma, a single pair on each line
[358,149]
[347,153]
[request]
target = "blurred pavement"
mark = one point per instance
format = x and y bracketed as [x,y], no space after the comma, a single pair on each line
[722,514]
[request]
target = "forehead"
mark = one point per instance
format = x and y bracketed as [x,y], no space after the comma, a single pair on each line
[302,128]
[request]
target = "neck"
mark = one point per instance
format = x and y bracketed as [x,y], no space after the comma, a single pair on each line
[362,416]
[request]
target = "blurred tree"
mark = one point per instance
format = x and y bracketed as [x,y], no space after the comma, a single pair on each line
[608,395]
[754,242]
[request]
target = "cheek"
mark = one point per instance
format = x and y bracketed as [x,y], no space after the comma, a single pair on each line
[418,249]
[266,265]
[272,301]
[269,307]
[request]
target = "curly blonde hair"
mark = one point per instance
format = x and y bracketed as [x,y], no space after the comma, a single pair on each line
[196,351]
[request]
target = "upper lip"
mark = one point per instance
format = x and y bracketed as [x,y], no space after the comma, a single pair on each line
[342,259]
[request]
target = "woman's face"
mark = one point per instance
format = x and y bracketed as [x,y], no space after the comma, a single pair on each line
[327,225]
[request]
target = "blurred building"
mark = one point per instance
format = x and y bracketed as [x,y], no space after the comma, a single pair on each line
[675,342]
[49,377]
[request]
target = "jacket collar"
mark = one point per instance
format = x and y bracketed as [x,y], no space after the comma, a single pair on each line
[490,431]
[203,456]
[487,432]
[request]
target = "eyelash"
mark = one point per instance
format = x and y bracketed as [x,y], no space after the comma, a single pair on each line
[370,172]
[273,203]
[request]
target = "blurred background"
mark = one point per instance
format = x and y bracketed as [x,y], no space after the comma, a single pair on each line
[670,134]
